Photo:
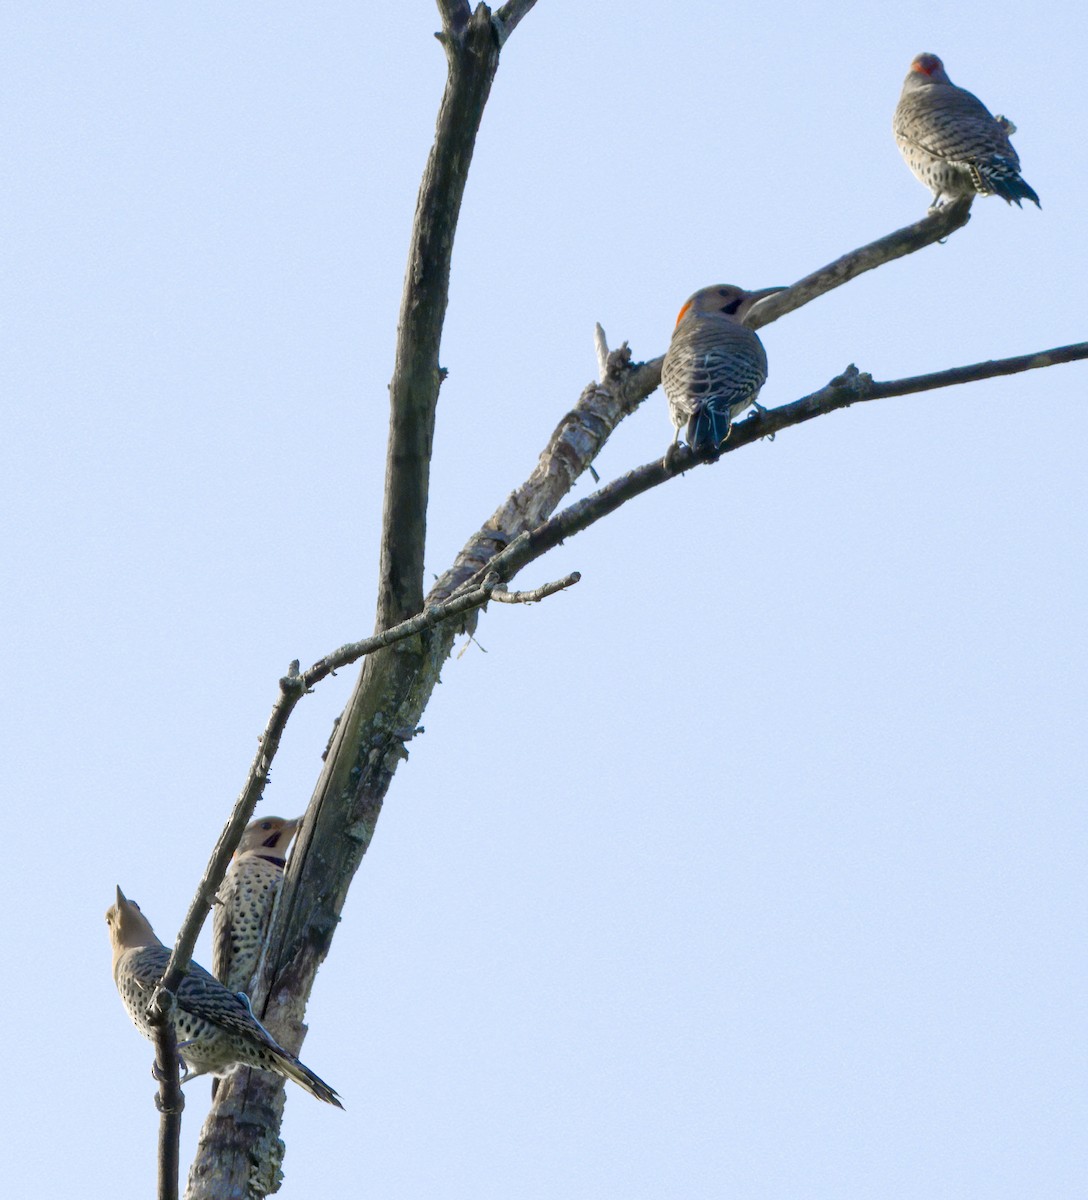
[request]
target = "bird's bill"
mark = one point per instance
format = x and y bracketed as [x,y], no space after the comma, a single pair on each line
[757,299]
[767,292]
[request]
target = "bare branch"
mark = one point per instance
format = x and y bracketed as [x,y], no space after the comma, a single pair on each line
[291,691]
[577,440]
[583,432]
[851,387]
[540,593]
[507,18]
[293,686]
[976,371]
[170,1100]
[473,58]
[931,228]
[427,619]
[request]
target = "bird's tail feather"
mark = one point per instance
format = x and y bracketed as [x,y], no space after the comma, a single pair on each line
[709,426]
[305,1078]
[1005,181]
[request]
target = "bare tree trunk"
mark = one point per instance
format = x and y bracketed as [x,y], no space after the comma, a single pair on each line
[239,1150]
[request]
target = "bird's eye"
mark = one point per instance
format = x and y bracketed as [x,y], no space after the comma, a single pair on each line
[266,825]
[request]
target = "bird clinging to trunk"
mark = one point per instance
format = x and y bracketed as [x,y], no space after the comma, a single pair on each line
[245,899]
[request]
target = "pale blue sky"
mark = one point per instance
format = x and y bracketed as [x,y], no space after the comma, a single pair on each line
[751,867]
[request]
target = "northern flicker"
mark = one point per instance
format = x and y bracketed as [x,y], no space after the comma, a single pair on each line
[215,1027]
[951,140]
[246,895]
[715,365]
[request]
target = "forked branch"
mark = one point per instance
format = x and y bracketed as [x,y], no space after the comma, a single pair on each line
[293,686]
[852,387]
[583,432]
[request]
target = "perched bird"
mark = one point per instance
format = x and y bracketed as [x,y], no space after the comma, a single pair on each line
[715,365]
[951,140]
[215,1027]
[246,895]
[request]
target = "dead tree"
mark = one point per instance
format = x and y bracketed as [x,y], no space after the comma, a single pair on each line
[240,1151]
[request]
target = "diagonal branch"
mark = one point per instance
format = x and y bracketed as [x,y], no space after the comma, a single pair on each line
[576,441]
[583,432]
[852,387]
[934,227]
[293,686]
[507,18]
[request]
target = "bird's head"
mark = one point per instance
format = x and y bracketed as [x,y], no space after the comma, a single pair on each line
[268,837]
[723,300]
[928,68]
[128,927]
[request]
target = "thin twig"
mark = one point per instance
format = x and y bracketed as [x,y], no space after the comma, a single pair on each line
[431,616]
[976,371]
[540,593]
[291,691]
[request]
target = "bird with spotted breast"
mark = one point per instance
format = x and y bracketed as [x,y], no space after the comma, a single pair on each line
[215,1027]
[245,899]
[715,365]
[951,140]
[244,903]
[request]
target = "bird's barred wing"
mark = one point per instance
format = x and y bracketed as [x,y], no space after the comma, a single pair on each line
[725,377]
[204,996]
[953,125]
